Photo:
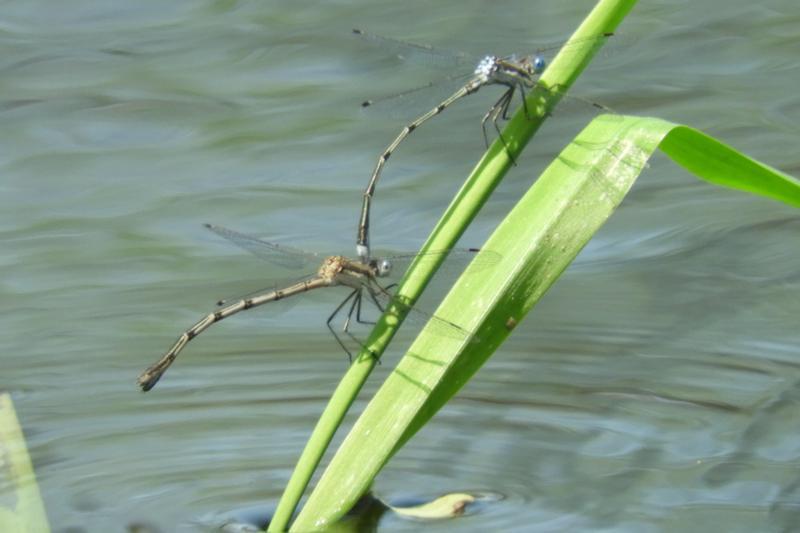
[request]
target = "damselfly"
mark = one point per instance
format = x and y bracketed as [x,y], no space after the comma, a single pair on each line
[362,278]
[517,73]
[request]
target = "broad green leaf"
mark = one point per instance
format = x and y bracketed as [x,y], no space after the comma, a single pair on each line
[560,75]
[537,240]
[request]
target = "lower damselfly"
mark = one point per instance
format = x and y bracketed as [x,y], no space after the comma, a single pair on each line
[362,278]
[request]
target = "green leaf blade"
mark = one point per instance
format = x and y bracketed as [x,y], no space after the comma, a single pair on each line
[725,166]
[537,241]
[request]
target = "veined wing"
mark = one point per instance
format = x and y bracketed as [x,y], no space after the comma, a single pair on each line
[417,53]
[412,101]
[608,41]
[418,99]
[277,254]
[415,99]
[419,317]
[454,257]
[454,260]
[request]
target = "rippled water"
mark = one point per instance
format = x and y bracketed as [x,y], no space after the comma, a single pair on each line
[654,388]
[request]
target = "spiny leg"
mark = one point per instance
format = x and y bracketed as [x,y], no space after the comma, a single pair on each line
[502,101]
[358,316]
[331,328]
[377,304]
[356,304]
[497,110]
[502,112]
[483,123]
[374,298]
[355,307]
[385,291]
[505,108]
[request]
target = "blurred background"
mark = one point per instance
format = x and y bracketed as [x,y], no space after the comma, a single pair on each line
[654,388]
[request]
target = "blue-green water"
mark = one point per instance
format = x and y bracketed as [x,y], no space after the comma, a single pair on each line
[654,388]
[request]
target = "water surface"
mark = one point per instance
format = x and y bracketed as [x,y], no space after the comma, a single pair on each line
[654,388]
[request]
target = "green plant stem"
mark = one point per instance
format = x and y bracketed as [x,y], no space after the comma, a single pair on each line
[488,173]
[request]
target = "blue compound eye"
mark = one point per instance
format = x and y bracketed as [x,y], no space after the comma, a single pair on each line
[538,65]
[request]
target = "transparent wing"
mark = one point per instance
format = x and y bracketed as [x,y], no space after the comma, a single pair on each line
[417,53]
[437,57]
[277,254]
[419,317]
[571,102]
[417,100]
[454,263]
[549,50]
[607,44]
[456,259]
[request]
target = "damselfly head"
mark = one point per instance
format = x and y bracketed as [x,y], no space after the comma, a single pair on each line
[532,65]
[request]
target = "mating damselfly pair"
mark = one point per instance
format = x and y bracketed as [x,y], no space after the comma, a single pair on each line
[364,276]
